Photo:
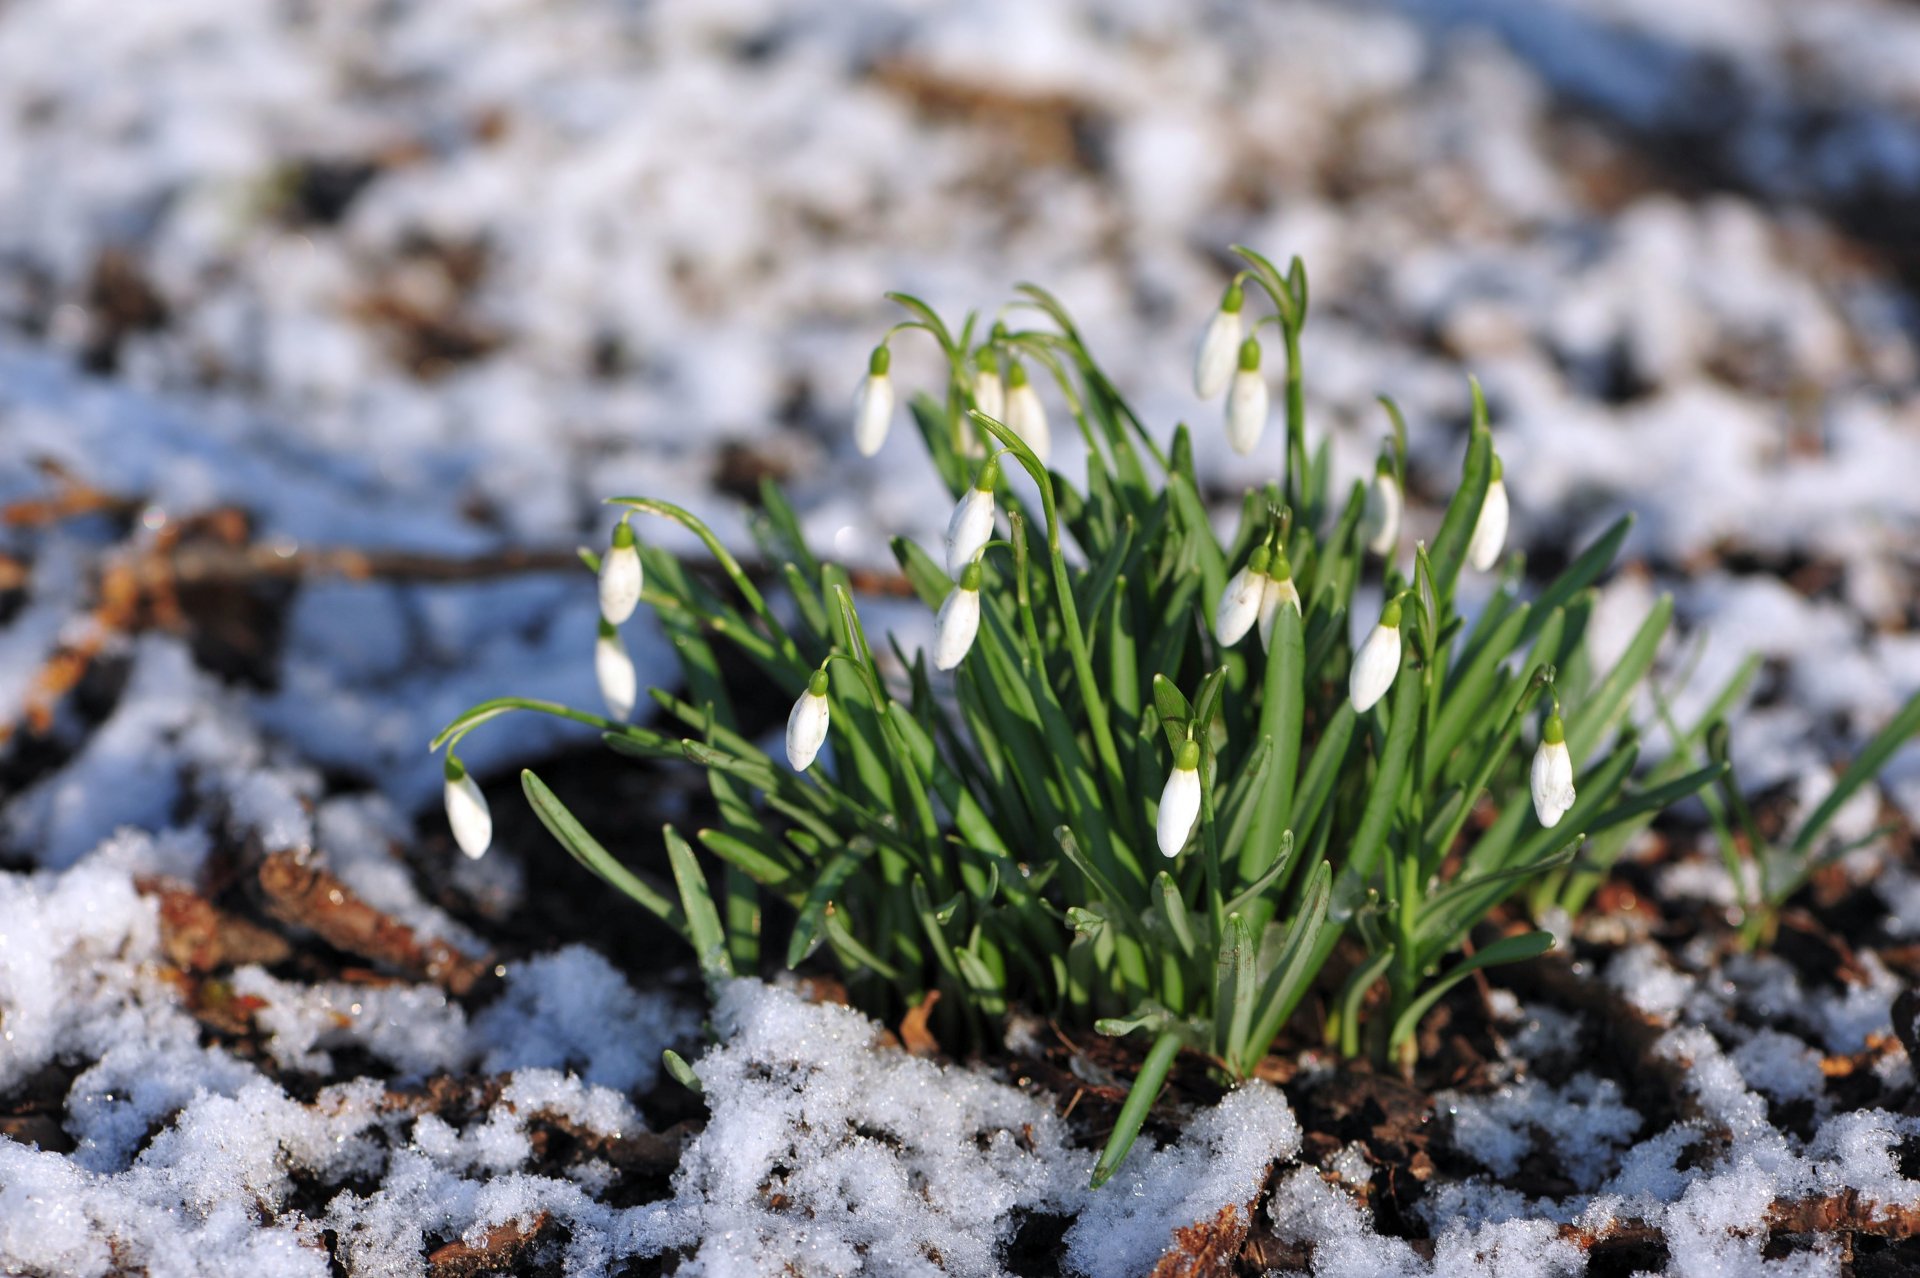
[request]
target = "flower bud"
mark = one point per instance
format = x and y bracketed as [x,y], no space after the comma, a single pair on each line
[620,576]
[467,810]
[1026,415]
[1247,401]
[1490,529]
[873,406]
[1279,590]
[807,723]
[1552,776]
[1179,801]
[989,392]
[619,685]
[1220,346]
[1378,660]
[971,525]
[1239,605]
[958,621]
[1380,520]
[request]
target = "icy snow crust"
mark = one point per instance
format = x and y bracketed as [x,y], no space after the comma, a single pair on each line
[663,229]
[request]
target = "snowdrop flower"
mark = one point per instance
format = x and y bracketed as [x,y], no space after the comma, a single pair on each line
[620,576]
[619,685]
[1552,774]
[1378,660]
[959,620]
[873,406]
[1247,401]
[1026,415]
[1213,366]
[971,525]
[807,724]
[1380,521]
[1279,590]
[1180,801]
[1490,530]
[467,810]
[1239,605]
[989,392]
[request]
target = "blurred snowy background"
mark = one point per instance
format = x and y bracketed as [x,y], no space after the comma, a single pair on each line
[431,279]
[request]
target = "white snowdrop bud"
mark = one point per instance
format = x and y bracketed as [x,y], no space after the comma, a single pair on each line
[873,406]
[467,810]
[1552,775]
[1280,591]
[1490,530]
[1026,415]
[959,620]
[1380,521]
[1378,660]
[620,577]
[619,685]
[807,724]
[1239,605]
[1179,801]
[1219,346]
[989,392]
[971,525]
[1247,401]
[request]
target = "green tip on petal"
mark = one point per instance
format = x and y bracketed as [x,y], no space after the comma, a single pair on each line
[1281,570]
[1384,466]
[1235,298]
[1556,733]
[1189,757]
[623,536]
[1258,560]
[985,360]
[608,630]
[970,576]
[1494,475]
[1390,615]
[989,477]
[1250,355]
[880,361]
[817,682]
[1016,373]
[454,769]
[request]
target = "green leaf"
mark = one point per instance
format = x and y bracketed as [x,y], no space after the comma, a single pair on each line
[1133,1113]
[1863,769]
[1510,949]
[703,919]
[585,849]
[806,928]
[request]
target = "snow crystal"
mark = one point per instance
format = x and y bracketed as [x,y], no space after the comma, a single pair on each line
[1581,1125]
[571,1009]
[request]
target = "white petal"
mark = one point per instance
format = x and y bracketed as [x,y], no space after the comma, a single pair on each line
[1552,783]
[1027,417]
[1239,606]
[1219,354]
[1246,410]
[873,413]
[469,816]
[619,685]
[1179,809]
[970,528]
[619,583]
[1275,594]
[1380,522]
[806,730]
[1490,530]
[954,628]
[990,394]
[1374,667]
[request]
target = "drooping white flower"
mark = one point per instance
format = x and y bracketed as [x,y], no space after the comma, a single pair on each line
[1280,592]
[958,621]
[971,525]
[1239,605]
[620,576]
[1026,415]
[619,684]
[1380,520]
[1247,401]
[1552,776]
[1490,529]
[467,810]
[1219,346]
[873,405]
[1378,660]
[989,392]
[1179,801]
[807,723]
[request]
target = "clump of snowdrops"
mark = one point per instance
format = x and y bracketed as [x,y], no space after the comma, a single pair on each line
[1145,779]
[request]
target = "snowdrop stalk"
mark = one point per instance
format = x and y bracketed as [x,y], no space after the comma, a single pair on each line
[1026,415]
[989,392]
[807,723]
[1380,521]
[1247,401]
[620,576]
[1220,345]
[467,810]
[873,406]
[1279,592]
[1378,660]
[1490,529]
[619,684]
[1240,602]
[958,621]
[1552,776]
[1179,801]
[971,525]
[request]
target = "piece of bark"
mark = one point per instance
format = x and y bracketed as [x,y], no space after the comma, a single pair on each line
[301,893]
[198,936]
[1206,1247]
[495,1253]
